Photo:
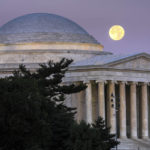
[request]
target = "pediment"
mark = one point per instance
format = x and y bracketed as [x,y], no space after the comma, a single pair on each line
[142,63]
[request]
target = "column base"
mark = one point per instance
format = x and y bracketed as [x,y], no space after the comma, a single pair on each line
[123,137]
[145,138]
[134,137]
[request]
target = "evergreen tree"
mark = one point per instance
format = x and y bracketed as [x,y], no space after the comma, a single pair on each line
[108,140]
[32,110]
[33,115]
[91,137]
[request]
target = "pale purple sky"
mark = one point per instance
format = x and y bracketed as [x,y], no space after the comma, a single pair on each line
[96,16]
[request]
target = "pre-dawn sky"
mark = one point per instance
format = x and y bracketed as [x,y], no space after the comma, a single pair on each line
[96,16]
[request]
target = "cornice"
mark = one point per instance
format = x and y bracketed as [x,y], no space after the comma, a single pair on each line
[96,68]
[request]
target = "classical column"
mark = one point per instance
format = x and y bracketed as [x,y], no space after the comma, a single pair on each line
[88,99]
[80,101]
[133,111]
[111,105]
[101,98]
[122,109]
[144,104]
[79,98]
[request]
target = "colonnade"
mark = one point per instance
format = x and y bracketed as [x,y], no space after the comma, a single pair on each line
[109,106]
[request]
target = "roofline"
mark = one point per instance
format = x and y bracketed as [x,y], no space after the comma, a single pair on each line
[128,58]
[115,61]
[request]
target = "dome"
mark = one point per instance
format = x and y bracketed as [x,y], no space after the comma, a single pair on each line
[38,27]
[41,22]
[45,31]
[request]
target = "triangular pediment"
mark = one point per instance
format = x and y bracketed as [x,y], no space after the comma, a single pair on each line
[141,62]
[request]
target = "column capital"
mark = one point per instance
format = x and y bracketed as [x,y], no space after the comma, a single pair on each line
[86,81]
[101,81]
[144,83]
[123,82]
[133,83]
[113,81]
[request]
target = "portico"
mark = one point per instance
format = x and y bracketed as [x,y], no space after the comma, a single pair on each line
[105,100]
[116,86]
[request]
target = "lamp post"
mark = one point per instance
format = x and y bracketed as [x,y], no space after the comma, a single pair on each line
[115,106]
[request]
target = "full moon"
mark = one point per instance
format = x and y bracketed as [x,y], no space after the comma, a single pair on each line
[116,32]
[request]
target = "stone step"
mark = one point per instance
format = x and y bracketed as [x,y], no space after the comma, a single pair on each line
[133,144]
[124,149]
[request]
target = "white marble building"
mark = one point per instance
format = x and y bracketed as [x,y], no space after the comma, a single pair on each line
[120,81]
